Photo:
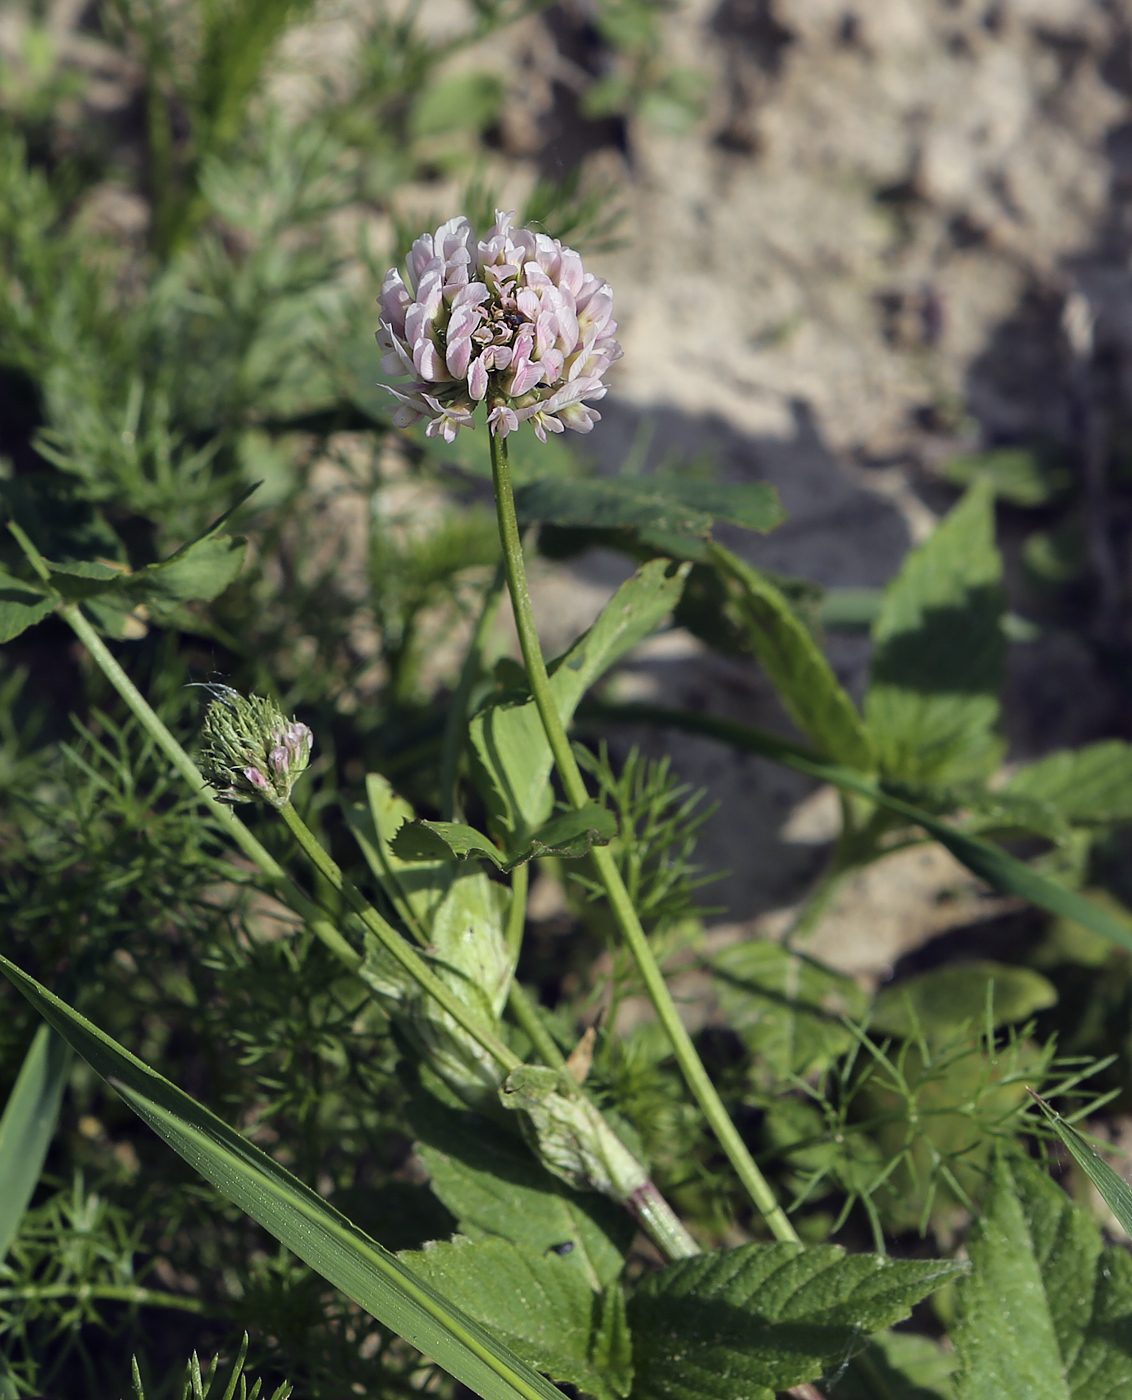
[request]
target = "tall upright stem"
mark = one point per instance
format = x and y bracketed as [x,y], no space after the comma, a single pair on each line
[622,906]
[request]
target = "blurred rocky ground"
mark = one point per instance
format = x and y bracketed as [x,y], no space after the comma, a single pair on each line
[880,247]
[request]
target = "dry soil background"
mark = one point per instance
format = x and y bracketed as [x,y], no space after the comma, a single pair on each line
[856,265]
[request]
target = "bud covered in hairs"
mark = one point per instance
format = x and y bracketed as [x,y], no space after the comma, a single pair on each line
[251,751]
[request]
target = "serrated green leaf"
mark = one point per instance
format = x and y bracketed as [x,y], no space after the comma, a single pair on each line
[574,834]
[494,1186]
[1114,1190]
[513,757]
[85,578]
[1088,786]
[198,571]
[787,1008]
[898,1366]
[811,694]
[22,605]
[1047,1311]
[932,703]
[424,840]
[294,1214]
[939,1003]
[541,1305]
[655,504]
[757,1319]
[28,1125]
[569,836]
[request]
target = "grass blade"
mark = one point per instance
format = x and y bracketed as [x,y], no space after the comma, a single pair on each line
[295,1215]
[1115,1191]
[27,1127]
[990,862]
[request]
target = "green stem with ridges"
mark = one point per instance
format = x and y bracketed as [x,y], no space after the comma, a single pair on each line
[621,905]
[517,913]
[526,1014]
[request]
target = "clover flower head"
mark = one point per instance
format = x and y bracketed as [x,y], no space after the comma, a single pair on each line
[513,320]
[251,752]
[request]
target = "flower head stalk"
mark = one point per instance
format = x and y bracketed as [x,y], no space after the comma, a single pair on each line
[251,751]
[512,320]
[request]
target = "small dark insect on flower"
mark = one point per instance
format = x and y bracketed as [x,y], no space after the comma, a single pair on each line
[566,1247]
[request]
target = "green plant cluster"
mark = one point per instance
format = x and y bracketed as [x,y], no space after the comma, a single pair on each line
[316,1092]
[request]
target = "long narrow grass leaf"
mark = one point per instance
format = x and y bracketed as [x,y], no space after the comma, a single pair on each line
[990,862]
[295,1215]
[1115,1191]
[28,1125]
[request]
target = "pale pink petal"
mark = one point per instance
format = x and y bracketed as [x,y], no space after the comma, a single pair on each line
[452,324]
[552,362]
[429,365]
[525,375]
[457,356]
[497,357]
[580,417]
[474,294]
[571,273]
[394,300]
[465,319]
[477,379]
[502,420]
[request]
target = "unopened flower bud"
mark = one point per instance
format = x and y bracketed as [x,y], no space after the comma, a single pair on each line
[251,751]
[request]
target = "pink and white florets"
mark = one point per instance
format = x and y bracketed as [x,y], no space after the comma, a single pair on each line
[513,320]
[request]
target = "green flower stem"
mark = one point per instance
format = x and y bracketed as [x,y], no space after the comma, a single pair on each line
[394,944]
[517,914]
[622,906]
[659,1221]
[662,1225]
[525,1013]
